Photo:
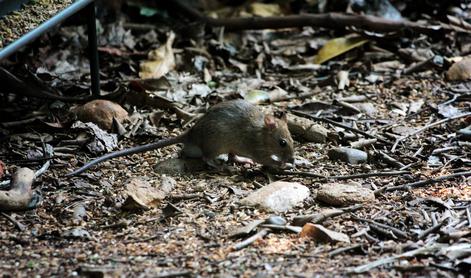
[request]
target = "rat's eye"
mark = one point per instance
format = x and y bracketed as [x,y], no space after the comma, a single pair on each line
[283,142]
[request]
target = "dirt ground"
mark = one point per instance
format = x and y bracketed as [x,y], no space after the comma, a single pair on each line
[79,225]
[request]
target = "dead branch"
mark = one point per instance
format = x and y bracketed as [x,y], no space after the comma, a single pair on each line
[395,231]
[18,224]
[427,127]
[344,177]
[368,135]
[408,186]
[319,217]
[19,196]
[19,87]
[326,20]
[262,233]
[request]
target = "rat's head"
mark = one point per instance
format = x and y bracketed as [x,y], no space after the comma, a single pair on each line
[277,141]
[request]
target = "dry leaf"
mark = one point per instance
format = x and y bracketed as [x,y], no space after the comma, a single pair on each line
[140,194]
[336,47]
[161,60]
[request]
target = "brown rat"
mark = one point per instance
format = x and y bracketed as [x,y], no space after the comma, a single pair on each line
[234,127]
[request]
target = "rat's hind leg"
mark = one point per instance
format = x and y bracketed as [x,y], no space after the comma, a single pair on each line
[192,151]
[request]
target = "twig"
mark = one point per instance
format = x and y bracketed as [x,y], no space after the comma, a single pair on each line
[344,249]
[24,121]
[250,240]
[17,224]
[430,249]
[306,115]
[408,186]
[396,231]
[432,229]
[19,87]
[380,230]
[321,216]
[327,20]
[344,177]
[290,97]
[400,139]
[175,274]
[390,160]
[42,169]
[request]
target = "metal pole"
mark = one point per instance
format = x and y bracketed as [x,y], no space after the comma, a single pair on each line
[35,33]
[93,50]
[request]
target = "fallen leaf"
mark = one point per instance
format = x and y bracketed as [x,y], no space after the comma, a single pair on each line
[263,9]
[160,61]
[336,47]
[321,234]
[101,112]
[140,194]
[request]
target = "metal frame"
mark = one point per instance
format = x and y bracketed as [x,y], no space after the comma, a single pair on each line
[55,20]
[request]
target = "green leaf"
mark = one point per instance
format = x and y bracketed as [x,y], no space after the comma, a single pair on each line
[146,11]
[336,47]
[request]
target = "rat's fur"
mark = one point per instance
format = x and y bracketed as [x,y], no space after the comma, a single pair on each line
[233,127]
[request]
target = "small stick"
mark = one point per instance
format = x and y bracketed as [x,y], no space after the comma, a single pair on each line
[334,123]
[400,139]
[175,274]
[250,240]
[42,170]
[383,231]
[23,122]
[346,177]
[327,20]
[344,249]
[15,222]
[321,216]
[391,161]
[408,186]
[432,229]
[396,231]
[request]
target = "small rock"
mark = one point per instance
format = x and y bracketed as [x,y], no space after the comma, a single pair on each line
[100,271]
[344,194]
[321,234]
[464,132]
[352,156]
[278,196]
[79,212]
[140,194]
[460,71]
[167,184]
[434,161]
[367,107]
[101,112]
[76,233]
[307,129]
[403,129]
[276,220]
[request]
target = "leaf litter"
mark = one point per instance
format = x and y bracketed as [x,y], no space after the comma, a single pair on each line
[410,130]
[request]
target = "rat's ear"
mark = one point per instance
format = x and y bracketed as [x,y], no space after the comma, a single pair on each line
[270,121]
[281,115]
